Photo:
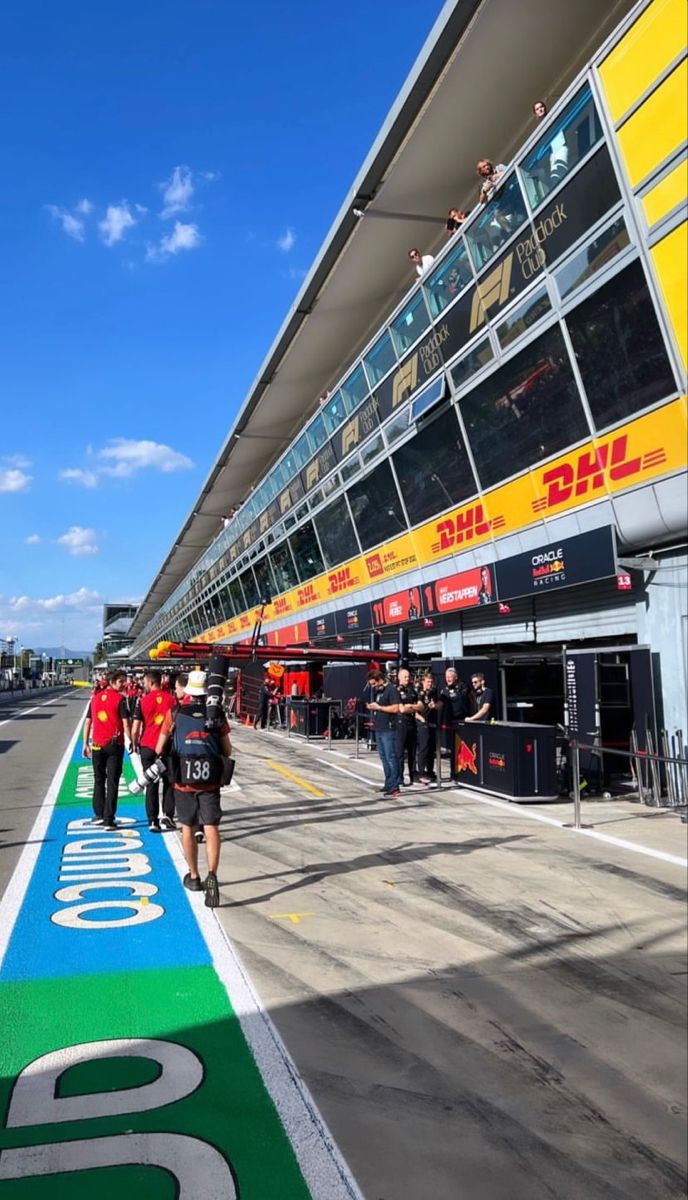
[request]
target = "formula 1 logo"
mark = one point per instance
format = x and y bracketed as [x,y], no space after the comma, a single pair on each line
[466,757]
[494,289]
[405,381]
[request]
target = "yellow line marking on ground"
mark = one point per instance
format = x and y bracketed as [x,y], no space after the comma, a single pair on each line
[296,778]
[295,918]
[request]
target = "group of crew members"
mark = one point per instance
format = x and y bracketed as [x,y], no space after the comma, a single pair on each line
[408,716]
[178,746]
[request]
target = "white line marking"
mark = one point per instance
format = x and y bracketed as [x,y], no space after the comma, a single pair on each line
[21,876]
[319,1158]
[518,810]
[24,712]
[362,778]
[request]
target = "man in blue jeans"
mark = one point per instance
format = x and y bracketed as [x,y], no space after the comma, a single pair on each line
[385,706]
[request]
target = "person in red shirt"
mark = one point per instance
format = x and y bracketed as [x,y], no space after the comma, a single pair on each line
[105,727]
[149,714]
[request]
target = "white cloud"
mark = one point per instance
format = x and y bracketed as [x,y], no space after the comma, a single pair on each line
[118,218]
[286,242]
[71,225]
[84,207]
[79,541]
[129,456]
[177,192]
[17,460]
[182,237]
[72,619]
[14,480]
[211,176]
[33,539]
[88,479]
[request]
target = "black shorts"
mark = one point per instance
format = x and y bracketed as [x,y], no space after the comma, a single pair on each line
[198,808]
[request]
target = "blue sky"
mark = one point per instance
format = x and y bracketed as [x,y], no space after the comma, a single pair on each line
[170,173]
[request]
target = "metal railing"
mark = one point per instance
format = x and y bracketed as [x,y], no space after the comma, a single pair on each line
[647,768]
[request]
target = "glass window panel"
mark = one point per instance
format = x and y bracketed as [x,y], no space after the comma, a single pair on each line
[619,348]
[302,452]
[433,468]
[428,398]
[236,592]
[335,411]
[411,322]
[225,602]
[398,426]
[264,579]
[601,250]
[448,279]
[306,552]
[526,411]
[336,533]
[283,568]
[355,388]
[472,362]
[523,316]
[250,589]
[498,220]
[317,434]
[372,448]
[561,147]
[376,508]
[380,359]
[351,467]
[330,485]
[290,521]
[301,512]
[315,498]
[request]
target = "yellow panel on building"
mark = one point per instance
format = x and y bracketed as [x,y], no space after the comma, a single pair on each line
[670,256]
[651,44]
[657,128]
[667,194]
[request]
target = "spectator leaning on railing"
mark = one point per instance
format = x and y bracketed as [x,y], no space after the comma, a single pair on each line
[421,261]
[490,173]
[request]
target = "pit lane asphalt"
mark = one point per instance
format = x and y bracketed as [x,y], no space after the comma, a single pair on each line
[482,1006]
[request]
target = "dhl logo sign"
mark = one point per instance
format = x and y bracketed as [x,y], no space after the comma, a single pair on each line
[465,525]
[588,473]
[281,606]
[341,581]
[307,594]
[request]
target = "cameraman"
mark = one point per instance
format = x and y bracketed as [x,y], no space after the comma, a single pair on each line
[197,793]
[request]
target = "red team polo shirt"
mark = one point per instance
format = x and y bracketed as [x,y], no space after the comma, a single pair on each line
[153,707]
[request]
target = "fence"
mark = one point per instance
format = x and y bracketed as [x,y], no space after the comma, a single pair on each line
[647,768]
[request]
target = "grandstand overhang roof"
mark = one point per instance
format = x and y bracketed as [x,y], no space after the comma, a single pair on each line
[468,96]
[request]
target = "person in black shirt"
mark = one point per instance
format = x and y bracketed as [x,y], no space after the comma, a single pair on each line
[426,729]
[406,725]
[484,699]
[385,707]
[454,708]
[485,594]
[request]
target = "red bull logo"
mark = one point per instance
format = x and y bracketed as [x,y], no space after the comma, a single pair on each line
[465,757]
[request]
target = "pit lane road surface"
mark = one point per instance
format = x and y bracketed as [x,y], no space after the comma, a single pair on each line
[135,1058]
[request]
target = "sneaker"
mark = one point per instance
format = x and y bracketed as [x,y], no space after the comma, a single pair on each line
[212,891]
[98,821]
[393,795]
[191,884]
[110,825]
[168,823]
[424,779]
[154,827]
[199,836]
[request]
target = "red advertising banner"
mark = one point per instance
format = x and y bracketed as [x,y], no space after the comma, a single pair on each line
[467,589]
[399,607]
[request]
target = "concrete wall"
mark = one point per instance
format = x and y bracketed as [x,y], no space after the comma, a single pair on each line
[662,618]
